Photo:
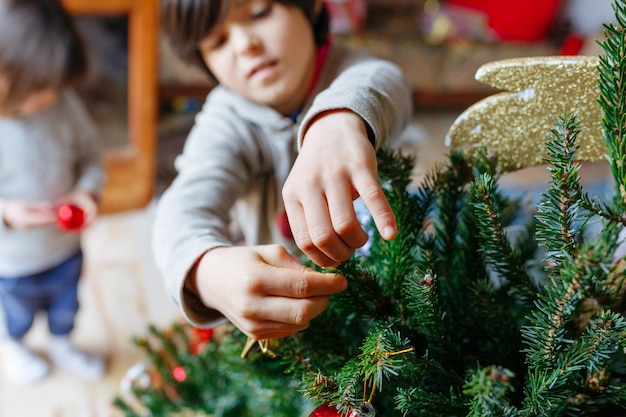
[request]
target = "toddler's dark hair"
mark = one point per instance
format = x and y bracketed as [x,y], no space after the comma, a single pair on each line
[39,49]
[187,22]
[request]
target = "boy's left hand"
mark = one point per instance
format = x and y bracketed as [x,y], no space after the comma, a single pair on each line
[82,199]
[337,164]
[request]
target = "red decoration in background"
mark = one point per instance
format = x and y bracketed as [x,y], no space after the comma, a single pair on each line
[203,334]
[70,217]
[199,339]
[179,373]
[515,20]
[572,45]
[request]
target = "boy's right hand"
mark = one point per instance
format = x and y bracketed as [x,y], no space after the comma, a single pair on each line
[26,214]
[263,290]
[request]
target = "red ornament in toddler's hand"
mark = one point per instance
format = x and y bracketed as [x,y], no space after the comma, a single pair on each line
[70,217]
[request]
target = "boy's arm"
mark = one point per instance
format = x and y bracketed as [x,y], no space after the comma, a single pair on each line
[366,104]
[193,214]
[262,289]
[337,164]
[374,89]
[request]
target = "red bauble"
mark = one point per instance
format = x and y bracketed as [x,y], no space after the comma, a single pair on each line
[325,410]
[70,217]
[199,339]
[203,334]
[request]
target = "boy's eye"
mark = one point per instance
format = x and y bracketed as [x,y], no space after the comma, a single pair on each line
[219,41]
[261,9]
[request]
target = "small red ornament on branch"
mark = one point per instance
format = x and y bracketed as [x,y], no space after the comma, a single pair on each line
[325,410]
[198,339]
[70,217]
[179,373]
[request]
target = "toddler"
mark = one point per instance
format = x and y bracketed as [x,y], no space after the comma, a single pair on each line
[49,156]
[282,146]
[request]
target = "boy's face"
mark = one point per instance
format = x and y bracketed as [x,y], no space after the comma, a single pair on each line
[264,51]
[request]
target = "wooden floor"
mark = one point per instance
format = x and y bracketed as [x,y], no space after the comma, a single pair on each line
[122,293]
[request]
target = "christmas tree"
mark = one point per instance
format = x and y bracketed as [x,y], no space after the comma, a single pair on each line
[456,316]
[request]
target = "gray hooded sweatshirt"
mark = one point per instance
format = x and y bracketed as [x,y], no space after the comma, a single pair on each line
[238,156]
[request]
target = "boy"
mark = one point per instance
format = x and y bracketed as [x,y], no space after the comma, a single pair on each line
[283,87]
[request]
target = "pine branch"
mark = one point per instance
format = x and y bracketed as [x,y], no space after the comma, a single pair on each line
[597,207]
[581,381]
[451,201]
[612,82]
[489,388]
[547,329]
[318,386]
[382,354]
[570,349]
[495,245]
[411,209]
[422,302]
[559,209]
[349,392]
[450,251]
[501,316]
[421,403]
[122,405]
[363,281]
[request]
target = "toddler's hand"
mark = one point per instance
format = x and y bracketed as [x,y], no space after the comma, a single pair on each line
[82,199]
[20,214]
[263,290]
[336,164]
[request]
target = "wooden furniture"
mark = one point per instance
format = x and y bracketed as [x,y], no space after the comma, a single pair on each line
[131,168]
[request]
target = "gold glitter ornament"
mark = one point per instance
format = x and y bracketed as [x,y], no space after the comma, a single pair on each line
[515,123]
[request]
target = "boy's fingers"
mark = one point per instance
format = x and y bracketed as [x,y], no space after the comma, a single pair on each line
[305,239]
[305,284]
[295,313]
[344,220]
[326,245]
[267,329]
[374,199]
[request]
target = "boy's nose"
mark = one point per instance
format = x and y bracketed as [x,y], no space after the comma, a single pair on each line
[245,41]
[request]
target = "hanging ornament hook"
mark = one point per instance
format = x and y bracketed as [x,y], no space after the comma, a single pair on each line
[264,345]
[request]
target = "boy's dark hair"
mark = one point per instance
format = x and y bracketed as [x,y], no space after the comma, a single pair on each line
[39,49]
[187,22]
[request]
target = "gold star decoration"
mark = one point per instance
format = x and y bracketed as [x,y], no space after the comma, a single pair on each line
[537,90]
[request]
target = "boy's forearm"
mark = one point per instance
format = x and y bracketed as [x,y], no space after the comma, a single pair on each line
[375,90]
[179,241]
[192,306]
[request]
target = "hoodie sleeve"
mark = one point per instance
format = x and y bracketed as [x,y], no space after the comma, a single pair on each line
[373,88]
[193,215]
